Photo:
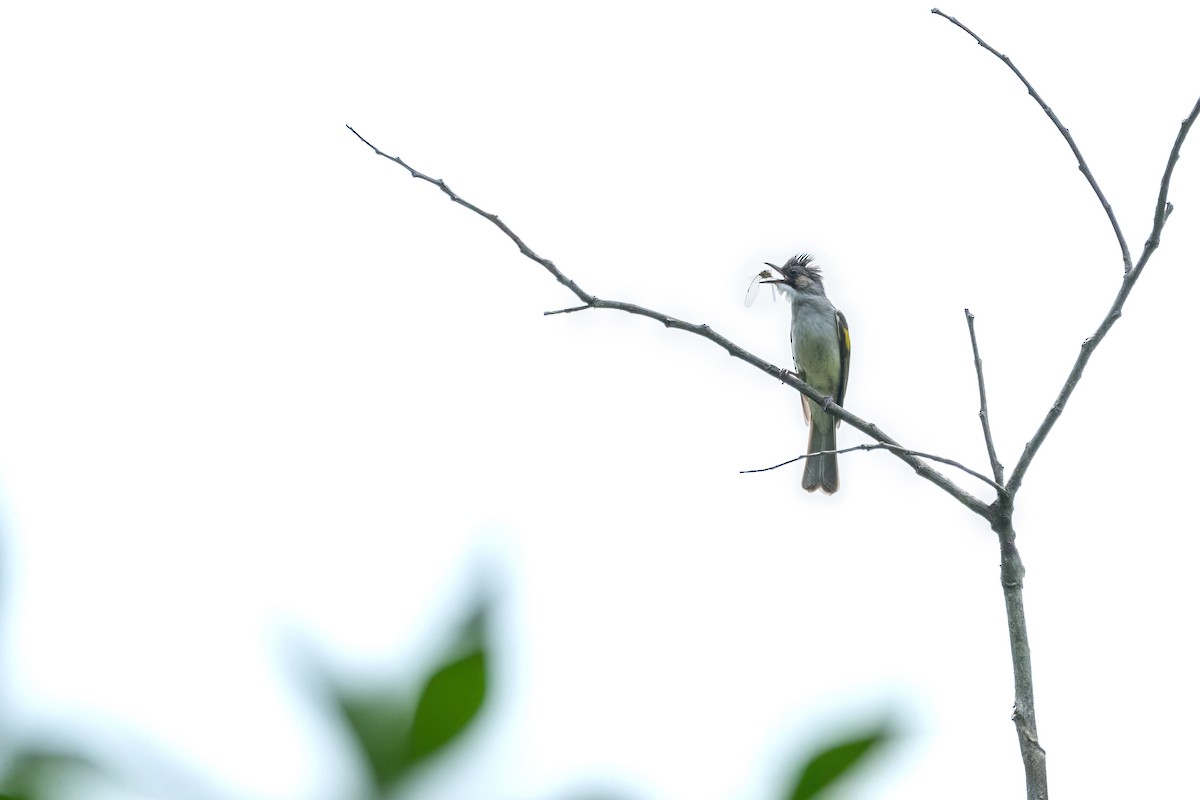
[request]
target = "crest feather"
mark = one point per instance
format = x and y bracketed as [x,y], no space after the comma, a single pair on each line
[804,261]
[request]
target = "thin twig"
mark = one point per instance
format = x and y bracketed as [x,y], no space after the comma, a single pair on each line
[492,218]
[570,310]
[895,448]
[591,301]
[1161,211]
[984,419]
[1083,167]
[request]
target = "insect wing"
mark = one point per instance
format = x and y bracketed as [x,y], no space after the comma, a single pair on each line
[755,284]
[752,291]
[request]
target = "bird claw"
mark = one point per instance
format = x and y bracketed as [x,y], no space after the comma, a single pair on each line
[826,403]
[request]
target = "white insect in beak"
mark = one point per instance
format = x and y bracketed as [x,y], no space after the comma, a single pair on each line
[755,284]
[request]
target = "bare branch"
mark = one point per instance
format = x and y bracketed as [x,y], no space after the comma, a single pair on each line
[785,376]
[1012,582]
[1012,571]
[997,467]
[492,218]
[1162,210]
[570,310]
[1083,167]
[895,448]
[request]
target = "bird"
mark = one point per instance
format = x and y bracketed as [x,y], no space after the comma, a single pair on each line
[821,350]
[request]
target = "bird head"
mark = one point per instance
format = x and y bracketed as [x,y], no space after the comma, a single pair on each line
[797,276]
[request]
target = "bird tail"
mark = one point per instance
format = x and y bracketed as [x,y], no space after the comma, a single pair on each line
[821,472]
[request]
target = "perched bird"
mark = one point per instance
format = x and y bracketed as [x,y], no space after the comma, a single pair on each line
[821,349]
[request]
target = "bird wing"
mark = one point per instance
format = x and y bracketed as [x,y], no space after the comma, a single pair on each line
[843,335]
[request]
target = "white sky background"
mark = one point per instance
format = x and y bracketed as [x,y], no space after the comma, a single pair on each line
[261,391]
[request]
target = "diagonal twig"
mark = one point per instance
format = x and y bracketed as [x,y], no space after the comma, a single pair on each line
[1083,167]
[984,419]
[492,218]
[1162,210]
[785,376]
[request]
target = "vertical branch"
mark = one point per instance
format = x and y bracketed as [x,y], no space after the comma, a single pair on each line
[1012,572]
[1012,581]
[997,467]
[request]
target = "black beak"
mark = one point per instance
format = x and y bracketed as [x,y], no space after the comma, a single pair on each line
[777,269]
[784,280]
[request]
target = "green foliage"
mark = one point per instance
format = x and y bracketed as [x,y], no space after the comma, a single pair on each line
[395,735]
[449,701]
[395,731]
[379,723]
[32,773]
[832,763]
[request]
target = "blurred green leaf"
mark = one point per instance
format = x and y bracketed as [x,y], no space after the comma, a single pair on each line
[33,773]
[393,735]
[380,724]
[450,700]
[827,767]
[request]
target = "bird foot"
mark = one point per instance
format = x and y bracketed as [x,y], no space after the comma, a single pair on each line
[826,403]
